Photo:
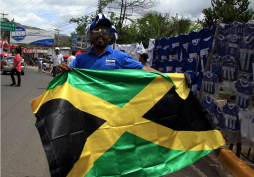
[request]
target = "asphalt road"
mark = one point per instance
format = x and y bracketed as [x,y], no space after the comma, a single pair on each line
[21,150]
[22,154]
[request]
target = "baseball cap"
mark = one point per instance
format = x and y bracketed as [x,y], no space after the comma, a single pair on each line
[144,55]
[101,19]
[57,48]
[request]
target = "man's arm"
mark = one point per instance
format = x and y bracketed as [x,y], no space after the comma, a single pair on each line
[145,68]
[15,64]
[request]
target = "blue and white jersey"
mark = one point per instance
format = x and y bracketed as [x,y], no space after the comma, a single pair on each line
[175,41]
[173,53]
[246,54]
[216,66]
[169,66]
[208,32]
[189,65]
[156,53]
[244,91]
[217,70]
[228,67]
[216,59]
[164,54]
[248,30]
[209,104]
[236,29]
[166,42]
[163,42]
[233,46]
[193,50]
[209,83]
[161,66]
[155,64]
[179,65]
[196,35]
[224,29]
[196,81]
[184,42]
[231,117]
[158,43]
[218,119]
[205,47]
[221,45]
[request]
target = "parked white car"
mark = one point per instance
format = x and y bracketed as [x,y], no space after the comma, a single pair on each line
[8,63]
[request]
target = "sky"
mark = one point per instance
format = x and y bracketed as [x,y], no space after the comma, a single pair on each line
[55,14]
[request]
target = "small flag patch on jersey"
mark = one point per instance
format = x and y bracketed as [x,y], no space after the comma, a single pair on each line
[122,123]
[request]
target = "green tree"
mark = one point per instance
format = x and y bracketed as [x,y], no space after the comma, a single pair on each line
[127,7]
[230,10]
[154,25]
[82,23]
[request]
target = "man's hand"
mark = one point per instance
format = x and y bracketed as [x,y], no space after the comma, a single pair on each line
[150,69]
[63,67]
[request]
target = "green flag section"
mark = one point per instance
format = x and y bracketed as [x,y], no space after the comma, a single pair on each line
[122,123]
[136,157]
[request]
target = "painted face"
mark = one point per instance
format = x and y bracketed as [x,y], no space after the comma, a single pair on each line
[100,36]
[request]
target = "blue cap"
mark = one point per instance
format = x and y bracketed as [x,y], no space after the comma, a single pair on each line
[101,19]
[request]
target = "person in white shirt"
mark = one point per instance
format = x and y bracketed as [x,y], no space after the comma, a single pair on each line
[56,59]
[71,58]
[40,65]
[143,59]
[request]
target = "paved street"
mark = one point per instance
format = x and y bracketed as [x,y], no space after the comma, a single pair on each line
[22,152]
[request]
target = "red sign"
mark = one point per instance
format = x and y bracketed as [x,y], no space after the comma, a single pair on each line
[27,50]
[5,44]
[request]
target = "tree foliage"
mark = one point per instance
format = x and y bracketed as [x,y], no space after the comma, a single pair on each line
[130,6]
[154,25]
[230,10]
[82,23]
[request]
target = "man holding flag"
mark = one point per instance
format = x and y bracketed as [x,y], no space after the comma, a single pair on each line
[123,122]
[101,55]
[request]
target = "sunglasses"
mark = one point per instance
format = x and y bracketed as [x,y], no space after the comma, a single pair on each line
[102,31]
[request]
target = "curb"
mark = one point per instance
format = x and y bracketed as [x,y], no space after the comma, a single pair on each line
[236,166]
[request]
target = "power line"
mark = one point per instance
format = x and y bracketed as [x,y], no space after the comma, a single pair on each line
[31,7]
[28,2]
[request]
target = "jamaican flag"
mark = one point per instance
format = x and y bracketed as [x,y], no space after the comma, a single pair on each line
[122,123]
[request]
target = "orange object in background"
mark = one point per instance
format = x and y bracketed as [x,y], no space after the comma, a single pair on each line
[237,167]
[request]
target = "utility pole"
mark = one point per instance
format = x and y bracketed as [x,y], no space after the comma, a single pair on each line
[3,14]
[58,36]
[99,6]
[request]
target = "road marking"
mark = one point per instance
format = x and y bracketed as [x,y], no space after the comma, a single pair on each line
[199,172]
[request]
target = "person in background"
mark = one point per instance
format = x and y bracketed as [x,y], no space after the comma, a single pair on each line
[143,59]
[101,56]
[40,65]
[56,59]
[30,62]
[16,68]
[71,58]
